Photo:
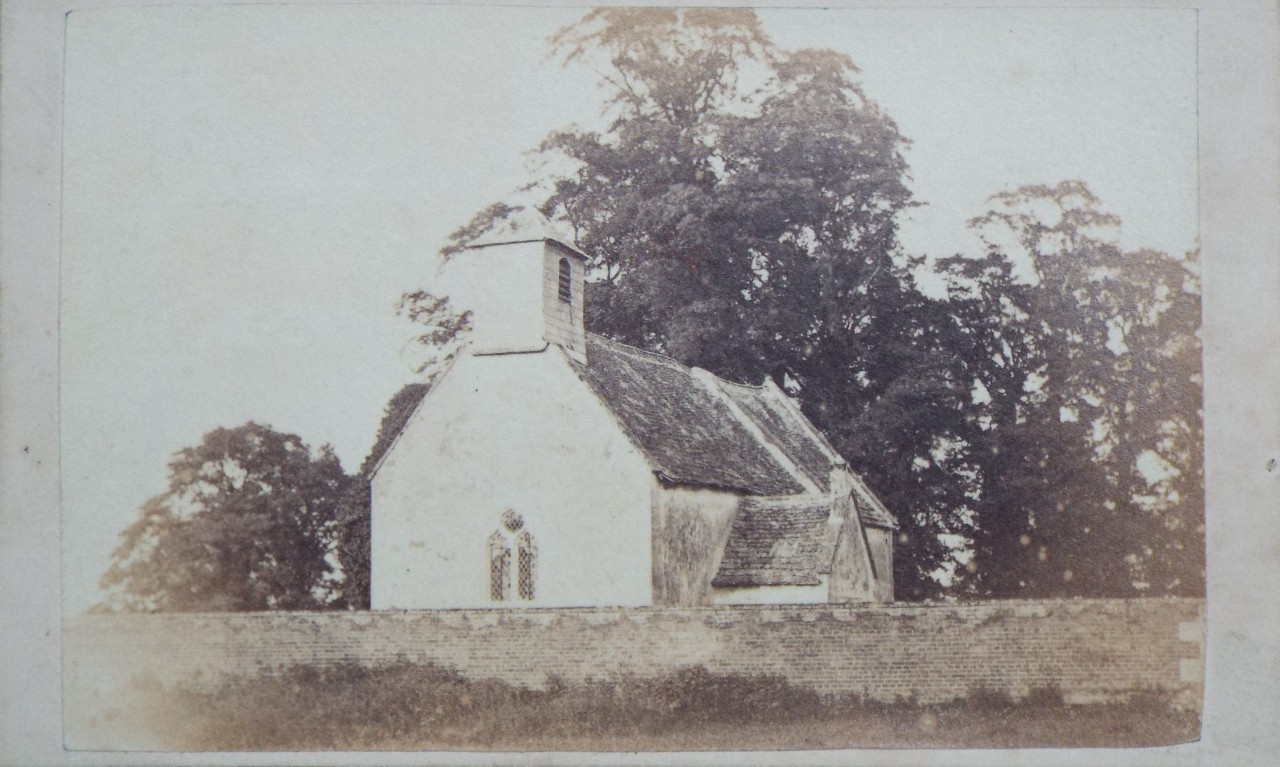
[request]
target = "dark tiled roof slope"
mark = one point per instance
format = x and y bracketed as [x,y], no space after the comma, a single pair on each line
[688,433]
[870,511]
[784,429]
[775,542]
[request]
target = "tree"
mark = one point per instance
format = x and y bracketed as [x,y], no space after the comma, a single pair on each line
[247,523]
[1166,422]
[740,215]
[1088,360]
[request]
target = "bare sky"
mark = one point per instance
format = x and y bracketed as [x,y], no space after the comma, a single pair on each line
[249,189]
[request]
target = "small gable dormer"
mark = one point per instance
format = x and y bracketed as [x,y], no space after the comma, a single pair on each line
[523,281]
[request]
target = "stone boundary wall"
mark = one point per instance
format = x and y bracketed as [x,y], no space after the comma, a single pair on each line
[1090,649]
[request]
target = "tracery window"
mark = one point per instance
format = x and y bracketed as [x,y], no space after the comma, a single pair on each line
[501,550]
[499,568]
[528,555]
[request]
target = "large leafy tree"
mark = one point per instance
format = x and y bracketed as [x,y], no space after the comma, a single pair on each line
[247,523]
[1086,448]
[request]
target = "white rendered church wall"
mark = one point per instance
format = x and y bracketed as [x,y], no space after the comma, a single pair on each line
[502,286]
[515,432]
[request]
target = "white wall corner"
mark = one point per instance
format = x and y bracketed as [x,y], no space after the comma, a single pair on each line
[435,383]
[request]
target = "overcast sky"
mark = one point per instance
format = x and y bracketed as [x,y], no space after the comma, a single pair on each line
[247,191]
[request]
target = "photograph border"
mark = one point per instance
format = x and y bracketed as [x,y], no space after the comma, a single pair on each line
[1239,63]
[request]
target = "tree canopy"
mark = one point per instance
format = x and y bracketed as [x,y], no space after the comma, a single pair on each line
[1087,449]
[247,523]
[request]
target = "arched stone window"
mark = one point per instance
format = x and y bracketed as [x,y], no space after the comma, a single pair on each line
[501,550]
[566,281]
[499,568]
[527,562]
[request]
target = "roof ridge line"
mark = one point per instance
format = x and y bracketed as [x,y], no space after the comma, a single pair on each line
[753,387]
[815,435]
[796,499]
[711,382]
[676,363]
[659,355]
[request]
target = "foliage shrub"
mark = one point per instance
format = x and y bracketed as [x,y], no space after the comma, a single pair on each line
[698,694]
[1044,697]
[346,705]
[407,706]
[987,700]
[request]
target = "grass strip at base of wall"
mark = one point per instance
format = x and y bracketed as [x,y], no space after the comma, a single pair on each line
[417,707]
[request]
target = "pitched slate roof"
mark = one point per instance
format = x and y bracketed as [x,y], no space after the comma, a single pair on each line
[778,542]
[683,426]
[870,510]
[781,426]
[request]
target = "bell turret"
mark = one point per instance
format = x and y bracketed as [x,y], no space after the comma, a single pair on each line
[523,281]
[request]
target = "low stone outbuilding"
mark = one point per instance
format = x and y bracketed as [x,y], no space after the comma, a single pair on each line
[552,467]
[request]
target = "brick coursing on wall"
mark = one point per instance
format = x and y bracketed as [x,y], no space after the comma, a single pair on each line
[1090,649]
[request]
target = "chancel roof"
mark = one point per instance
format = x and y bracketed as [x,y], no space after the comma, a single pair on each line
[870,510]
[779,542]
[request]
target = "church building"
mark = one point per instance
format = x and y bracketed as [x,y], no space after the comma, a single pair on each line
[550,467]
